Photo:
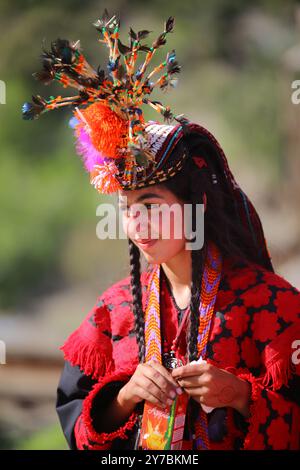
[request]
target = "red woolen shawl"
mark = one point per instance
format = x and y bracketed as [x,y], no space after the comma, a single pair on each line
[256,321]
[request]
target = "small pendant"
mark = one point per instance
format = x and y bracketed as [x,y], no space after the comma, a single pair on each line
[170,361]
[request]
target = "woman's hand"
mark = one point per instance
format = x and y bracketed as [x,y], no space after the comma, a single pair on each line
[211,386]
[152,382]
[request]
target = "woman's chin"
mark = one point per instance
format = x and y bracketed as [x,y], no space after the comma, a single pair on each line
[152,257]
[155,258]
[159,253]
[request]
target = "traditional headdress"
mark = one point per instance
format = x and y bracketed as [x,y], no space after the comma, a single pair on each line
[119,149]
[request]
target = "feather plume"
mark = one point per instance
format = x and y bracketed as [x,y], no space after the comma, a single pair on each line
[118,94]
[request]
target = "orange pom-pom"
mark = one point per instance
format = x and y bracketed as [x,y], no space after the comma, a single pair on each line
[103,178]
[108,131]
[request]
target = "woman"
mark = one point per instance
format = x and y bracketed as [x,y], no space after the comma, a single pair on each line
[221,302]
[247,377]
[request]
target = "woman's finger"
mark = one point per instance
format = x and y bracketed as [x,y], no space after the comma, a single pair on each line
[163,371]
[196,380]
[147,384]
[190,370]
[199,394]
[167,389]
[145,394]
[191,382]
[195,391]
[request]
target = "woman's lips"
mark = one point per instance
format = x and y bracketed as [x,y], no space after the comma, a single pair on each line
[146,243]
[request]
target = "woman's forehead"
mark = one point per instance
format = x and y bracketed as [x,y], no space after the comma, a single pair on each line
[138,195]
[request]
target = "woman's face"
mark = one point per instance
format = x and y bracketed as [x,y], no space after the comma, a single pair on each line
[151,219]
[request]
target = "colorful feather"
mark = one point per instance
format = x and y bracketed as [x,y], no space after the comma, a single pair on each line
[110,118]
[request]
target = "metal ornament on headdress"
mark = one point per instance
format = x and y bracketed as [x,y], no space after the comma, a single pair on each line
[108,120]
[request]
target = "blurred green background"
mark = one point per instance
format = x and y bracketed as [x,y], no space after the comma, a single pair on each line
[238,60]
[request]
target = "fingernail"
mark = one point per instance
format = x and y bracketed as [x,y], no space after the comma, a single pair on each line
[169,402]
[172,394]
[179,390]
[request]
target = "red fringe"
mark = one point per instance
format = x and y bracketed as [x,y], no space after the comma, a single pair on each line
[91,357]
[278,374]
[104,438]
[88,347]
[277,359]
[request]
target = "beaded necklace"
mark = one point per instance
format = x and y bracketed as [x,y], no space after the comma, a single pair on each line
[170,358]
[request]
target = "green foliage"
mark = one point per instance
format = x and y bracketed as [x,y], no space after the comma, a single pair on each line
[50,438]
[44,195]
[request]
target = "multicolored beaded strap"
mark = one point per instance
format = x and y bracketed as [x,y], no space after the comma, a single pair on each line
[152,319]
[210,286]
[209,289]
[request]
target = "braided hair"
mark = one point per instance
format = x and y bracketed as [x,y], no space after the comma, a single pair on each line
[136,289]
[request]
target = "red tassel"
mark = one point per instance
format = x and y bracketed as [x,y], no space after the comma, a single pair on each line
[88,347]
[277,358]
[92,357]
[278,374]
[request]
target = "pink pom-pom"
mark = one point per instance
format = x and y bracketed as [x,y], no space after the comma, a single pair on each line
[85,148]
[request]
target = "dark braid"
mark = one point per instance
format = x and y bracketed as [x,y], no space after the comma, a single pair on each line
[197,267]
[136,289]
[192,338]
[197,259]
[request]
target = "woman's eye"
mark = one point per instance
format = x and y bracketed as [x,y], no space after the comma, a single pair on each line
[152,206]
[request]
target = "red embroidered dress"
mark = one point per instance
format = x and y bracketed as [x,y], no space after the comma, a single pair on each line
[253,335]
